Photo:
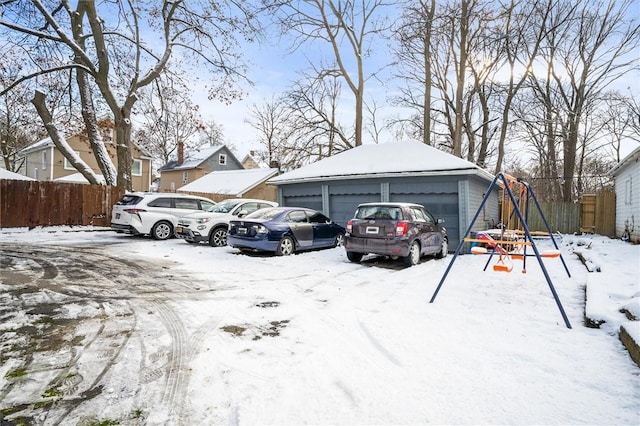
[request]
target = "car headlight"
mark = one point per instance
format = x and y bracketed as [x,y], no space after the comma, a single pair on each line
[203,220]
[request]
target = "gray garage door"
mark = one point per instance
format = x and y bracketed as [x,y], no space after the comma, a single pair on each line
[444,206]
[308,201]
[343,206]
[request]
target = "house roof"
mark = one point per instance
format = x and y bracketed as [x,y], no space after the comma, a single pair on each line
[232,182]
[78,178]
[391,158]
[42,143]
[47,142]
[6,174]
[193,159]
[629,159]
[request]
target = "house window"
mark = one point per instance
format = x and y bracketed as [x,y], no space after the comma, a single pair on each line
[222,159]
[136,168]
[67,164]
[35,173]
[627,192]
[44,160]
[185,177]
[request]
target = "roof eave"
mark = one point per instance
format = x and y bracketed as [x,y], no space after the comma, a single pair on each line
[469,171]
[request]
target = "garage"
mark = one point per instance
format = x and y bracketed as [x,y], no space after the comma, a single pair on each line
[448,186]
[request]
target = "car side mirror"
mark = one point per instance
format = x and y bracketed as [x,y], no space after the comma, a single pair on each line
[440,220]
[242,213]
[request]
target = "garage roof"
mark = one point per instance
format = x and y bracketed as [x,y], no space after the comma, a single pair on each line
[391,158]
[232,182]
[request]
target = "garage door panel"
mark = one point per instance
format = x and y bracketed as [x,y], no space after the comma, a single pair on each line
[344,206]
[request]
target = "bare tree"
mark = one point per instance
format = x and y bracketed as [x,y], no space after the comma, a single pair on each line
[126,48]
[349,27]
[413,53]
[16,118]
[592,49]
[168,117]
[271,121]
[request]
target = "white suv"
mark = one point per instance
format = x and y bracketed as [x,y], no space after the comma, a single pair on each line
[212,225]
[156,214]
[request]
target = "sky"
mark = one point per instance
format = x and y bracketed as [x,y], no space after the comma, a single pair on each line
[274,65]
[311,338]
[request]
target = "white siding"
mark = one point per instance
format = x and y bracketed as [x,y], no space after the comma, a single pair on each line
[628,202]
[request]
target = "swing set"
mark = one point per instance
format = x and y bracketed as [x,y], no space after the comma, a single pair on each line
[513,240]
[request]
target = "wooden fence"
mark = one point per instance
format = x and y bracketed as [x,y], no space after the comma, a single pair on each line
[36,203]
[596,213]
[39,203]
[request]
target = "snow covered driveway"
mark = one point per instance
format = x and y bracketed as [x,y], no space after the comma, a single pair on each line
[102,327]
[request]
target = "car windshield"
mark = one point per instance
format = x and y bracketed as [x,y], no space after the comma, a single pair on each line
[224,206]
[378,212]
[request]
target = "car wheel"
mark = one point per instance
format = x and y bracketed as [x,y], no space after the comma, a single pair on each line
[218,237]
[339,242]
[414,254]
[444,249]
[286,246]
[354,257]
[162,230]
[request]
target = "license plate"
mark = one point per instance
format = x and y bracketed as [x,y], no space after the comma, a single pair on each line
[372,230]
[117,215]
[179,229]
[242,231]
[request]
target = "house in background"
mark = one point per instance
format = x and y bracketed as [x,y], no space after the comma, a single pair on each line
[43,161]
[245,183]
[194,165]
[627,187]
[449,187]
[251,161]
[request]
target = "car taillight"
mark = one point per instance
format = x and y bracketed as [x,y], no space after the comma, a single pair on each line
[349,226]
[401,228]
[134,211]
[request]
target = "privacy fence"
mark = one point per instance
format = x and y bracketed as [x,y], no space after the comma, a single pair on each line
[596,213]
[35,203]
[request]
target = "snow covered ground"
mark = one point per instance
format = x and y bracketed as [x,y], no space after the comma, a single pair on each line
[315,339]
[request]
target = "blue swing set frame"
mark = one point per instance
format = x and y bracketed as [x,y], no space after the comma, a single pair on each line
[528,240]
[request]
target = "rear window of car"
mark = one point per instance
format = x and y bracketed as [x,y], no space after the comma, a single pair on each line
[161,202]
[129,200]
[318,218]
[187,203]
[378,213]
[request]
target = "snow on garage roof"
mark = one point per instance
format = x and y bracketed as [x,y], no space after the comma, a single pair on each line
[6,174]
[232,182]
[386,158]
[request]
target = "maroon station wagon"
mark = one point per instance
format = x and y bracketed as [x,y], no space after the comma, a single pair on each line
[398,230]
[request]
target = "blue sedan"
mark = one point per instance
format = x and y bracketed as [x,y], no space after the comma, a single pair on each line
[284,230]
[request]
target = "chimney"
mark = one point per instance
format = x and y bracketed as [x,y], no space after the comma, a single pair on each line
[180,153]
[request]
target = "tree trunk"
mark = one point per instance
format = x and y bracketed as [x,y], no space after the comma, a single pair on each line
[123,148]
[462,61]
[93,131]
[426,114]
[59,141]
